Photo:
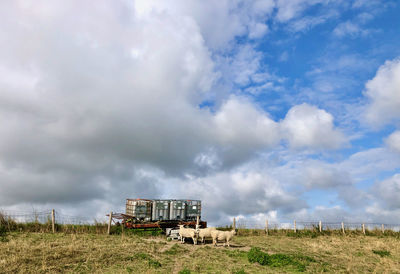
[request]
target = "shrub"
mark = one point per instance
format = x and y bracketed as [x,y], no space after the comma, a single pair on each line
[3,233]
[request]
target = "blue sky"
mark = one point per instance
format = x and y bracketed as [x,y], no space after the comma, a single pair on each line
[262,109]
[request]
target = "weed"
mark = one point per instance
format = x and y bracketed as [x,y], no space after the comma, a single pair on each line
[275,260]
[3,233]
[381,253]
[240,271]
[184,271]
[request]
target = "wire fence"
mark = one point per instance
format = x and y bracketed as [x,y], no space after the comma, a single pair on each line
[310,225]
[45,216]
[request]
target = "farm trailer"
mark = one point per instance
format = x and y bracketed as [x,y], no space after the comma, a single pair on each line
[158,213]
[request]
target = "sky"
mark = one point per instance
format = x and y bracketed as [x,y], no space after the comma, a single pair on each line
[264,109]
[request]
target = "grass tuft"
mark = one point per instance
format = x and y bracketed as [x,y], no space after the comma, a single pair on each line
[381,253]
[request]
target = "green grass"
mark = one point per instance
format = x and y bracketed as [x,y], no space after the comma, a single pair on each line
[381,253]
[255,255]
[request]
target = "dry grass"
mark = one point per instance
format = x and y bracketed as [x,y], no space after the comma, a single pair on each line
[84,253]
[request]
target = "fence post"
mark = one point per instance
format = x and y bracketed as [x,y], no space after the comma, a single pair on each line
[294,226]
[363,229]
[109,224]
[234,223]
[320,226]
[266,226]
[53,220]
[343,228]
[383,228]
[197,223]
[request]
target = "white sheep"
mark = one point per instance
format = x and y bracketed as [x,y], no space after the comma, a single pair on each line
[187,233]
[205,233]
[224,236]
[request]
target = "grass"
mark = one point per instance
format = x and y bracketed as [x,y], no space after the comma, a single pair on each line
[381,253]
[132,253]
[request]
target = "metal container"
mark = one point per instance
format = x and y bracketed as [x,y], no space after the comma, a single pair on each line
[160,210]
[177,210]
[193,209]
[139,209]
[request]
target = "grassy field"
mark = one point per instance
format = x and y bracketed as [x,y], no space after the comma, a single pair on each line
[22,252]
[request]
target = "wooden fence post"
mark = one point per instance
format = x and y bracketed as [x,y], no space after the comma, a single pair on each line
[266,227]
[53,220]
[383,228]
[197,223]
[234,223]
[109,224]
[363,229]
[343,228]
[294,226]
[320,226]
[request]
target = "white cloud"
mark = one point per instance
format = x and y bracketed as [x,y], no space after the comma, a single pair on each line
[308,126]
[383,91]
[388,192]
[219,21]
[393,141]
[240,192]
[350,29]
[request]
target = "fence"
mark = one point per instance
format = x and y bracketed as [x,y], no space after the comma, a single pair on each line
[54,219]
[314,225]
[46,216]
[50,221]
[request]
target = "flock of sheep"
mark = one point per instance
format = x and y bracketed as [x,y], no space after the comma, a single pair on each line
[203,233]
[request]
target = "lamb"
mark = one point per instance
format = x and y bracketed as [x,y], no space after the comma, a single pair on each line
[225,236]
[205,233]
[187,233]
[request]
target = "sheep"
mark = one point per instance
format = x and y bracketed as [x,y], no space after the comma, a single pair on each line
[187,233]
[205,233]
[225,236]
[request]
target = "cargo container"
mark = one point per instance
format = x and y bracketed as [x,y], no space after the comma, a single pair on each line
[140,209]
[177,210]
[161,210]
[193,209]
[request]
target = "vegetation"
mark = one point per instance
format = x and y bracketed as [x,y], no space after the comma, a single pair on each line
[381,253]
[131,253]
[31,247]
[298,263]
